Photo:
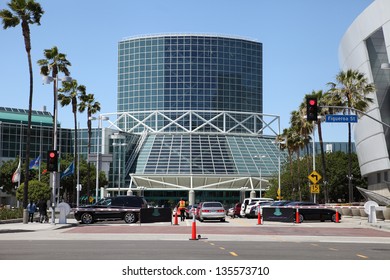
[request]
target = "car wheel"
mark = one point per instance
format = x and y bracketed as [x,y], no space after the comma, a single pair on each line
[130,218]
[223,220]
[301,218]
[86,218]
[333,218]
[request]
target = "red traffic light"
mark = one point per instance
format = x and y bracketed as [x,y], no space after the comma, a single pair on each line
[311,109]
[52,160]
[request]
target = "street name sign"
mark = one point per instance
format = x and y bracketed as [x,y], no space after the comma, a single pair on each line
[341,118]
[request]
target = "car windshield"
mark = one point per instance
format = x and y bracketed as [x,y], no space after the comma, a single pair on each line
[212,204]
[104,201]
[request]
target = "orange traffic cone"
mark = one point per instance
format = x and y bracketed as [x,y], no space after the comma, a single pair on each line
[193,237]
[297,221]
[259,216]
[176,222]
[337,217]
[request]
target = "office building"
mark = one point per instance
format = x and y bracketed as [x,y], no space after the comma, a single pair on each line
[366,47]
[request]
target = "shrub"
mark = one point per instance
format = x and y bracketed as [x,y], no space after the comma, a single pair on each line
[7,214]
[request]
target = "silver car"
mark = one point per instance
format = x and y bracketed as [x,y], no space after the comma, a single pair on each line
[212,211]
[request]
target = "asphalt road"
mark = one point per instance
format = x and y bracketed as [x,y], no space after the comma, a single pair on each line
[105,250]
[189,250]
[236,239]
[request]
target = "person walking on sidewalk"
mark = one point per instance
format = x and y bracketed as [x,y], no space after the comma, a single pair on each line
[31,208]
[182,208]
[42,206]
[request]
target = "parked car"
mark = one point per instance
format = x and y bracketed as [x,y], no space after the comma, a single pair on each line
[197,210]
[234,211]
[253,209]
[125,208]
[301,203]
[320,214]
[280,202]
[288,213]
[191,210]
[212,211]
[248,201]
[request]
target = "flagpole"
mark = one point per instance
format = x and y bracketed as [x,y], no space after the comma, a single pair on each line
[40,152]
[78,168]
[25,218]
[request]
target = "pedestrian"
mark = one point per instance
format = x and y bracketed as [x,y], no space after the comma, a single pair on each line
[181,206]
[42,207]
[31,208]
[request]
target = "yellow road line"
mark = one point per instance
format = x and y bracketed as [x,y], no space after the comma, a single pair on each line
[362,256]
[233,254]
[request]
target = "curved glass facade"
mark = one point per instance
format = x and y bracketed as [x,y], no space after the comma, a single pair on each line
[365,47]
[189,72]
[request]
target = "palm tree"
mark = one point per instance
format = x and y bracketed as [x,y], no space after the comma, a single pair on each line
[351,90]
[88,103]
[70,93]
[54,63]
[302,130]
[288,140]
[24,12]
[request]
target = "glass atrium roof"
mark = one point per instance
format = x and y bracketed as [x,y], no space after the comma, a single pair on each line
[208,154]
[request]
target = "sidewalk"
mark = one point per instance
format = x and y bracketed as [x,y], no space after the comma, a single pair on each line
[346,222]
[18,225]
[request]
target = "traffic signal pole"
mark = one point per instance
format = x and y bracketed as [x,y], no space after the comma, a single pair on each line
[312,115]
[314,160]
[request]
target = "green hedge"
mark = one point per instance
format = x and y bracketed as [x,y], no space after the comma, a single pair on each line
[7,214]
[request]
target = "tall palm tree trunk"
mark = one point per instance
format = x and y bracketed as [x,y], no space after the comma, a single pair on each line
[27,42]
[299,172]
[89,154]
[350,188]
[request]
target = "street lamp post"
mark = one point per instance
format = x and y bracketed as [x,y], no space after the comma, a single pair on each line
[100,119]
[48,80]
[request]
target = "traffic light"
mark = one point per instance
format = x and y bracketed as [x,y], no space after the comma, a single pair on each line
[52,160]
[311,109]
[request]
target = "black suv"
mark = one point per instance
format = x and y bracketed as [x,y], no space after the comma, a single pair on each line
[125,208]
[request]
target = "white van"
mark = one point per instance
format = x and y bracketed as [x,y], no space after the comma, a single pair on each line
[247,201]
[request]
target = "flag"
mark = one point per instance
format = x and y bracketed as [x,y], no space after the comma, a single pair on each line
[34,164]
[68,171]
[16,175]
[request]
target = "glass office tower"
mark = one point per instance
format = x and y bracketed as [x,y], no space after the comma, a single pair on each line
[196,103]
[190,72]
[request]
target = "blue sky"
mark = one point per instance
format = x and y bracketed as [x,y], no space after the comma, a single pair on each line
[300,45]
